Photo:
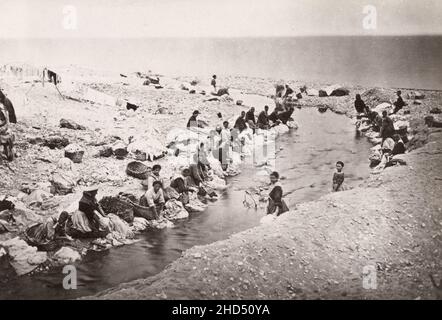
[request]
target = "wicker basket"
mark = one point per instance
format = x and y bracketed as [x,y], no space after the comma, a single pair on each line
[137,170]
[144,212]
[76,156]
[122,207]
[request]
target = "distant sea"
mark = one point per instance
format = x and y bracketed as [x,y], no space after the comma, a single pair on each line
[406,61]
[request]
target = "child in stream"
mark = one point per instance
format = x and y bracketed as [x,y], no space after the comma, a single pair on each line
[338,178]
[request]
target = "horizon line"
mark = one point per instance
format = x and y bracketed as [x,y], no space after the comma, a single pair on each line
[226,37]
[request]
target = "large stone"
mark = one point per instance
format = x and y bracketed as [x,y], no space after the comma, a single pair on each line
[222,92]
[120,150]
[24,217]
[69,124]
[418,95]
[328,91]
[339,92]
[153,80]
[105,151]
[74,152]
[322,93]
[56,142]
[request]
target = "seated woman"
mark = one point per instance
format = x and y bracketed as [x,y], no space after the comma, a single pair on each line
[387,146]
[180,185]
[87,221]
[399,146]
[376,120]
[263,119]
[154,199]
[285,115]
[276,205]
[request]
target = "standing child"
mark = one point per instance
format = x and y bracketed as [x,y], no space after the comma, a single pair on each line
[338,177]
[213,82]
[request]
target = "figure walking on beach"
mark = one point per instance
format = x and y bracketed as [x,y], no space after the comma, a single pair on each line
[213,82]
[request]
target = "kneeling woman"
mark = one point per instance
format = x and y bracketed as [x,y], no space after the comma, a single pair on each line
[154,199]
[88,221]
[276,205]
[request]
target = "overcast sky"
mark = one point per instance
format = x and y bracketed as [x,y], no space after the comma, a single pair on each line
[211,18]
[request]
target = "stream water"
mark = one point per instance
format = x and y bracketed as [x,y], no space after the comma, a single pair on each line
[306,158]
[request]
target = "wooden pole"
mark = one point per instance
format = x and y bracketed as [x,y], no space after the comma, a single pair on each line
[59,92]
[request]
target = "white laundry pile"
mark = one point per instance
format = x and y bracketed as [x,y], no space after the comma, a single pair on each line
[23,257]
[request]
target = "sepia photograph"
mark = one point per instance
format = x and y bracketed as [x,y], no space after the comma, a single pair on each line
[205,150]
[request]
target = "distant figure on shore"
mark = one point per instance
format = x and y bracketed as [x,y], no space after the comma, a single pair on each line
[6,136]
[213,82]
[338,177]
[9,108]
[288,91]
[263,119]
[360,105]
[399,103]
[387,128]
[193,122]
[276,205]
[240,123]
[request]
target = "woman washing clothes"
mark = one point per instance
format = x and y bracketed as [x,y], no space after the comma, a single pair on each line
[87,221]
[154,199]
[276,205]
[180,185]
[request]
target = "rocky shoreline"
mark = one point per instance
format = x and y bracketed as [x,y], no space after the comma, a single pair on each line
[301,255]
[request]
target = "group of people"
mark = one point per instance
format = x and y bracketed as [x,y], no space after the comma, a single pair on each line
[264,121]
[392,143]
[160,190]
[226,139]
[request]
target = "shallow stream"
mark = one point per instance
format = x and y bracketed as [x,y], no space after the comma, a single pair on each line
[306,158]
